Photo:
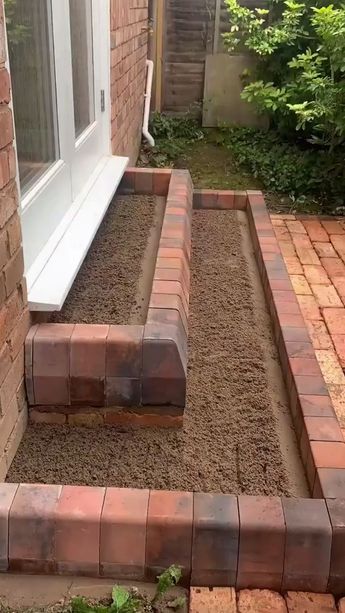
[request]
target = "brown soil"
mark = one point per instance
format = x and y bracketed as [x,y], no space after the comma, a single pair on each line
[237,435]
[110,287]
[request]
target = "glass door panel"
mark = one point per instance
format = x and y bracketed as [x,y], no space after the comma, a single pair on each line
[82,64]
[30,41]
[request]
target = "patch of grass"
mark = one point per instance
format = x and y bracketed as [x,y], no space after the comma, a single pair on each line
[295,178]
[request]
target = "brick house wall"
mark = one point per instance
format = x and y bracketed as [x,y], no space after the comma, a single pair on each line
[14,314]
[129,47]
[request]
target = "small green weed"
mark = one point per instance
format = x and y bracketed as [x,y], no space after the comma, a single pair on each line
[131,601]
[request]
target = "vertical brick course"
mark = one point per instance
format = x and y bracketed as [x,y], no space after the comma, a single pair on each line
[14,317]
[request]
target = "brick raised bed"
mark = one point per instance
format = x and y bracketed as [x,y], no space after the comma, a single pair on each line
[321,441]
[73,369]
[219,540]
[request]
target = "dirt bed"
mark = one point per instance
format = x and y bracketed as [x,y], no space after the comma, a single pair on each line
[111,286]
[237,434]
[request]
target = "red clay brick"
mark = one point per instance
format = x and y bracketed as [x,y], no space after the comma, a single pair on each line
[123,533]
[316,406]
[307,602]
[215,540]
[6,126]
[77,537]
[334,267]
[328,454]
[339,284]
[312,385]
[218,600]
[143,180]
[300,350]
[339,344]
[260,601]
[324,250]
[309,307]
[293,265]
[304,366]
[336,510]
[287,249]
[124,351]
[282,234]
[319,335]
[330,367]
[87,364]
[161,181]
[12,381]
[333,227]
[296,227]
[323,429]
[339,244]
[226,199]
[335,320]
[14,271]
[316,275]
[122,392]
[300,285]
[37,417]
[262,542]
[326,296]
[51,363]
[295,335]
[240,201]
[32,528]
[331,483]
[169,532]
[337,394]
[315,231]
[7,494]
[308,545]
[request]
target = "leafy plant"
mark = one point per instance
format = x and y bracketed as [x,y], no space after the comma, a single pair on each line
[301,60]
[129,601]
[166,580]
[286,167]
[172,135]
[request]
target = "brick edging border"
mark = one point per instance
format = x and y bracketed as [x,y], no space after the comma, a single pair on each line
[73,369]
[218,539]
[318,432]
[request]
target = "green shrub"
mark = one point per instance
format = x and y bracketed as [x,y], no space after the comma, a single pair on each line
[300,81]
[286,167]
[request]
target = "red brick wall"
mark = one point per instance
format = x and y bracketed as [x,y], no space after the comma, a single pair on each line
[14,315]
[129,41]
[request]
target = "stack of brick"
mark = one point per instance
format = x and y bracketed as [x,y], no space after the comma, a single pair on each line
[129,43]
[14,314]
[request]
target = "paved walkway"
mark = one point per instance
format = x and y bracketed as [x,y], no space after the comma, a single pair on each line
[314,253]
[226,600]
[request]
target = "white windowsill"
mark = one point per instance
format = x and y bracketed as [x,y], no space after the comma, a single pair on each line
[52,274]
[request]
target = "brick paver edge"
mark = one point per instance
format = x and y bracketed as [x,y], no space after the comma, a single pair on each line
[219,540]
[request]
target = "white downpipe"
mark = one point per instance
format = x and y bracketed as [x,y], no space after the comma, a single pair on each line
[147,107]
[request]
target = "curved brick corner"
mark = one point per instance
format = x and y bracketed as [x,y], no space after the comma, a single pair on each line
[219,540]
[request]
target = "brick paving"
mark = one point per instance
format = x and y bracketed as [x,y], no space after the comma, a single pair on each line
[314,253]
[227,600]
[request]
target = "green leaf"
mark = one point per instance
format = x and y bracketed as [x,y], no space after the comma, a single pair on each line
[120,597]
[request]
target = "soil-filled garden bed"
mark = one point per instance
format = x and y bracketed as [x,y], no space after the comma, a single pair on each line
[114,283]
[237,435]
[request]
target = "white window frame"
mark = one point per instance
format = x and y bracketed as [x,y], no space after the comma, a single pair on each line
[68,202]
